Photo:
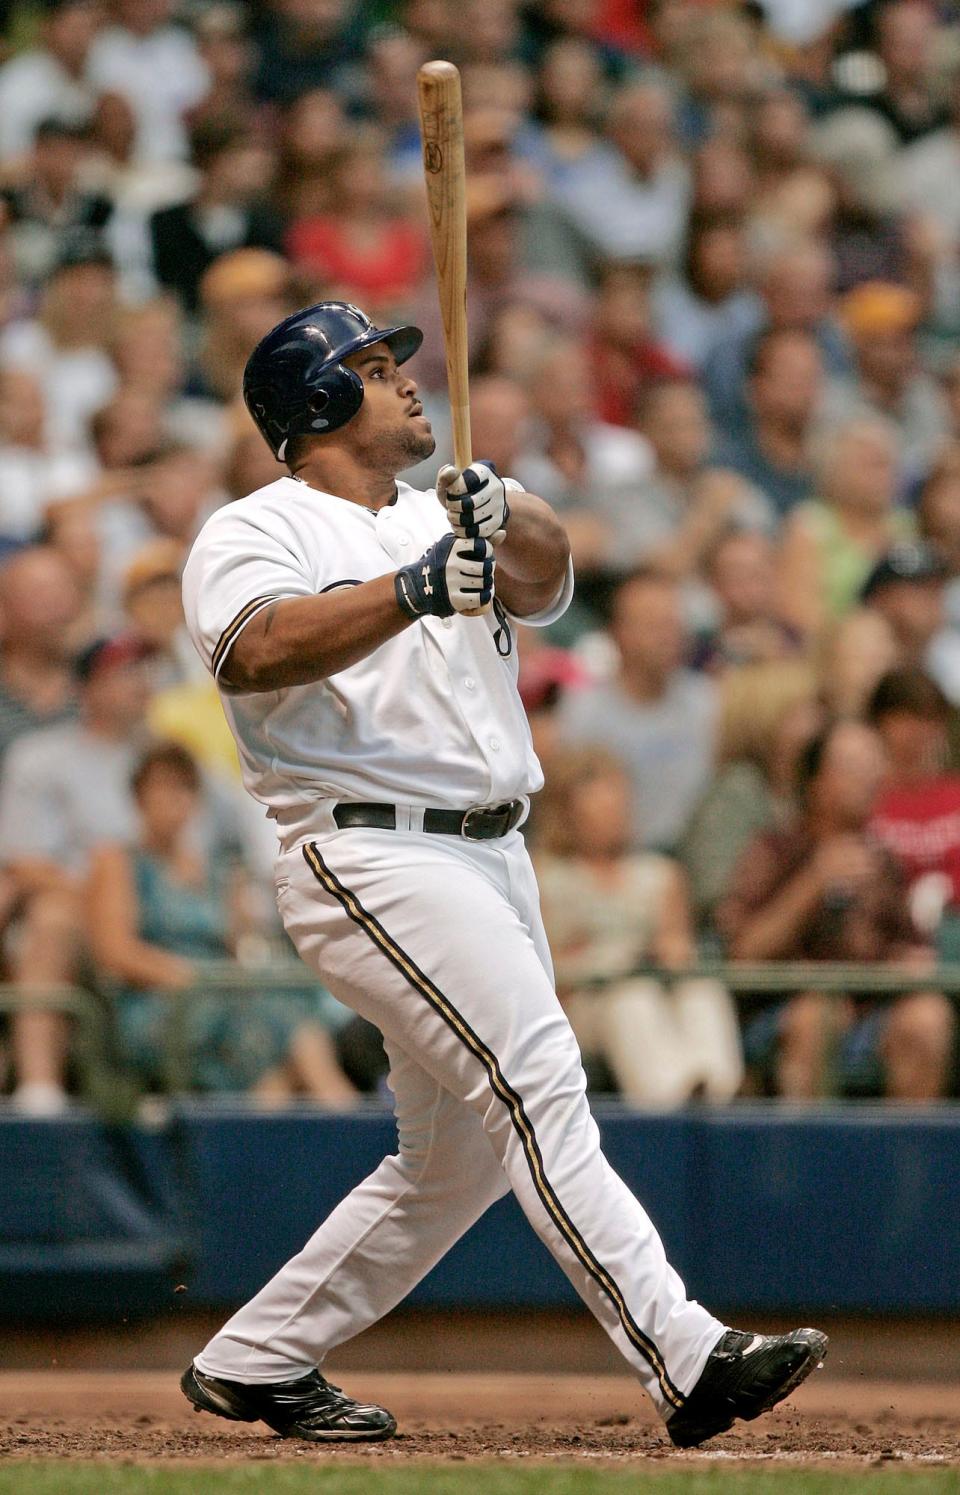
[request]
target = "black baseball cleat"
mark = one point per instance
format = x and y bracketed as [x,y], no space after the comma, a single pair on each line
[745,1375]
[307,1408]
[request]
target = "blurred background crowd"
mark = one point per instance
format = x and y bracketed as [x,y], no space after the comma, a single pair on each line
[715,319]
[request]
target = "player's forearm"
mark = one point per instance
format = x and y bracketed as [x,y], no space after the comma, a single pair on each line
[302,639]
[532,561]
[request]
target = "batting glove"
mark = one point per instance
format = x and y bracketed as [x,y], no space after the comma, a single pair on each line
[476,500]
[454,576]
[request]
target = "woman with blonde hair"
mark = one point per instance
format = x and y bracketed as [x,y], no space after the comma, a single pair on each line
[609,913]
[768,711]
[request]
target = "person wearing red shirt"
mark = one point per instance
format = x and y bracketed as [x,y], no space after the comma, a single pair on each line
[365,245]
[625,355]
[917,816]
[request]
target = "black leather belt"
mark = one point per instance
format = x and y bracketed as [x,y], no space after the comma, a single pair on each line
[486,823]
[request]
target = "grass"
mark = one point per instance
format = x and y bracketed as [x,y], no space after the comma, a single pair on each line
[61,1478]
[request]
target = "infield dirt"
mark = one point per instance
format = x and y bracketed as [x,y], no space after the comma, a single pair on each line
[140,1416]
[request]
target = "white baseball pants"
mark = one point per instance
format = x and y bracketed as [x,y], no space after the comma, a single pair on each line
[439,942]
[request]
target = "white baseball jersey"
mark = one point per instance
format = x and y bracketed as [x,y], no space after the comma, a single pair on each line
[430,718]
[435,939]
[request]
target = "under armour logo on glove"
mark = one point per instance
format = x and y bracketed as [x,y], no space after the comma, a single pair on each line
[454,576]
[476,500]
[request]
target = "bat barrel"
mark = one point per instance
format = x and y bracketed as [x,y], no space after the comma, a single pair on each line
[441,129]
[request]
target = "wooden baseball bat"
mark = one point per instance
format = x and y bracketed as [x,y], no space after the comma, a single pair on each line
[441,131]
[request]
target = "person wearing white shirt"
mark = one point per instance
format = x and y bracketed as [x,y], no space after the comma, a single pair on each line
[157,66]
[362,635]
[65,345]
[52,80]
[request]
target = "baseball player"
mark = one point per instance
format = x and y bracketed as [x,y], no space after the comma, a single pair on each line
[379,722]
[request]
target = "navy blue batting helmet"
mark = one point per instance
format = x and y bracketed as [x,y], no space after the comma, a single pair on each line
[296,383]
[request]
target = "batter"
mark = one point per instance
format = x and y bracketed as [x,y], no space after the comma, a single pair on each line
[381,727]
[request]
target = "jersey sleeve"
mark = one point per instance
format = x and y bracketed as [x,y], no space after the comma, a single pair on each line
[556,608]
[235,570]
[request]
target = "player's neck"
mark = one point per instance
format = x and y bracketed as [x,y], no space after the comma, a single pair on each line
[342,475]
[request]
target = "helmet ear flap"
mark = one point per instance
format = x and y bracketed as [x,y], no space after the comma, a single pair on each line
[334,399]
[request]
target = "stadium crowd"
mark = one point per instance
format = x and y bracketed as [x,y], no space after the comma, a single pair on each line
[714,304]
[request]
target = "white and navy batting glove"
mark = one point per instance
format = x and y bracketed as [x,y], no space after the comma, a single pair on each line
[454,576]
[476,500]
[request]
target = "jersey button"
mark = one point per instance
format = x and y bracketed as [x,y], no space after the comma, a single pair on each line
[402,538]
[469,682]
[446,622]
[495,744]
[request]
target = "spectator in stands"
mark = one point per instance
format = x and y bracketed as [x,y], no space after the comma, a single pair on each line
[65,346]
[716,61]
[227,53]
[31,476]
[784,390]
[672,517]
[740,571]
[311,138]
[151,600]
[38,606]
[906,38]
[364,246]
[150,357]
[870,237]
[498,279]
[227,212]
[824,889]
[49,205]
[134,189]
[302,44]
[929,172]
[608,912]
[795,297]
[881,322]
[393,57]
[832,542]
[250,464]
[63,790]
[243,294]
[907,589]
[709,302]
[853,654]
[631,203]
[657,716]
[918,813]
[50,80]
[722,181]
[184,706]
[565,142]
[768,713]
[576,462]
[626,356]
[779,135]
[499,413]
[154,63]
[158,911]
[940,525]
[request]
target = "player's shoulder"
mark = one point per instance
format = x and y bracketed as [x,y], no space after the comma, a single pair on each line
[272,498]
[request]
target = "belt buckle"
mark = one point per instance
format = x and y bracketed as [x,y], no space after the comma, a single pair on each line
[469,821]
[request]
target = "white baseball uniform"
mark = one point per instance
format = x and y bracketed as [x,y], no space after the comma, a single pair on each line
[434,938]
